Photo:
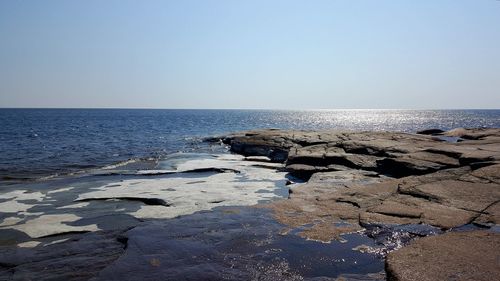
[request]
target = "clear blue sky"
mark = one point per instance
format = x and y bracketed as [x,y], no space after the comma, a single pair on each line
[250,54]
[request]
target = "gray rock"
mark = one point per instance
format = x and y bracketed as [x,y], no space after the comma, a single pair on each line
[79,258]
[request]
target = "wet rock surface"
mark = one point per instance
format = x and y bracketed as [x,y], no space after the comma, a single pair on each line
[354,198]
[110,201]
[72,257]
[228,243]
[235,244]
[72,228]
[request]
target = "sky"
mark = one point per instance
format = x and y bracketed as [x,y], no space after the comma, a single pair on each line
[330,54]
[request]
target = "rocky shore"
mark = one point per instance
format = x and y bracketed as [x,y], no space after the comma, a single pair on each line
[286,205]
[448,181]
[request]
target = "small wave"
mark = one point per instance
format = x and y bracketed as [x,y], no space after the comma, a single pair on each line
[58,175]
[18,179]
[73,170]
[121,164]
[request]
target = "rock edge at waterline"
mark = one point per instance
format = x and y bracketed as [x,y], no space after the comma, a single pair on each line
[365,180]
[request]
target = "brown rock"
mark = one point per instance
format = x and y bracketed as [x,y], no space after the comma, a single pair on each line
[460,194]
[490,216]
[452,256]
[489,173]
[327,231]
[436,158]
[366,218]
[306,171]
[439,183]
[417,210]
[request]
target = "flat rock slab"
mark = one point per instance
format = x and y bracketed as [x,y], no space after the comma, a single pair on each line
[452,256]
[77,258]
[229,243]
[414,179]
[446,199]
[183,184]
[237,244]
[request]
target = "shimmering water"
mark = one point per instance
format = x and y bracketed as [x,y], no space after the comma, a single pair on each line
[41,142]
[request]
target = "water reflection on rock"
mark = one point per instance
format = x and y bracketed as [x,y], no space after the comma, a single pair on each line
[235,244]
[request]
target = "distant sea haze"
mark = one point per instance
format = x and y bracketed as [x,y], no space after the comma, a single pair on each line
[36,143]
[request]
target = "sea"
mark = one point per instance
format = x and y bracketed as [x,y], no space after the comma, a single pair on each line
[42,143]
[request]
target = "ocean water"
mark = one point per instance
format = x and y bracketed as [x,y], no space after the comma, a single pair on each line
[36,143]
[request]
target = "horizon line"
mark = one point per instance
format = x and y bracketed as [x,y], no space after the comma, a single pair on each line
[249,109]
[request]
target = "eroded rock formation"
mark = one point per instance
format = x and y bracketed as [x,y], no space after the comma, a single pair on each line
[358,180]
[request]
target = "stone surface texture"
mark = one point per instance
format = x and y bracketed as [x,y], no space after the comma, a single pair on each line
[359,180]
[452,256]
[428,203]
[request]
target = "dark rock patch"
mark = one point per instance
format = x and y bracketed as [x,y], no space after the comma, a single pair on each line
[109,222]
[147,201]
[79,259]
[212,169]
[402,167]
[430,132]
[12,237]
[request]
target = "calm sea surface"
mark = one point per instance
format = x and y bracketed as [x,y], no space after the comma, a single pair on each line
[41,142]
